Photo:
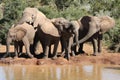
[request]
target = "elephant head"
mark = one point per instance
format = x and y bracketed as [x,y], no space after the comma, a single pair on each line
[63,25]
[32,16]
[16,33]
[96,24]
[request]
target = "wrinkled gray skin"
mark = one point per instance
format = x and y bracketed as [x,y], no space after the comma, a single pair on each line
[20,34]
[68,32]
[46,32]
[97,27]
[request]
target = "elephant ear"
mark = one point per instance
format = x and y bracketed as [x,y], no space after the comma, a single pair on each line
[85,21]
[13,26]
[20,33]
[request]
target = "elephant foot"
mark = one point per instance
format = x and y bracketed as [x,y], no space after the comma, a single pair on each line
[50,55]
[67,57]
[20,54]
[99,50]
[81,52]
[73,53]
[63,53]
[37,52]
[96,54]
[30,55]
[55,57]
[45,57]
[93,54]
[15,57]
[6,55]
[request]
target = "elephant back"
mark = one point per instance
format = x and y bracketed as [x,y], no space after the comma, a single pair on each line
[49,28]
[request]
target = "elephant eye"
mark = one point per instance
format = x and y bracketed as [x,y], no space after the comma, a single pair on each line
[32,16]
[59,22]
[13,36]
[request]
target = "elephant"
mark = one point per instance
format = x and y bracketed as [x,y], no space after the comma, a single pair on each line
[46,32]
[68,32]
[96,27]
[20,34]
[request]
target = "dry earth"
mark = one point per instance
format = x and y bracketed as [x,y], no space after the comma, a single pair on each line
[105,58]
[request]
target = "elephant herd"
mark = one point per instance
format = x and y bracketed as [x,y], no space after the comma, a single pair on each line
[34,26]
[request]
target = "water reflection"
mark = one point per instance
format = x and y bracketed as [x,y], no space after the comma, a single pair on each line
[2,73]
[83,72]
[110,74]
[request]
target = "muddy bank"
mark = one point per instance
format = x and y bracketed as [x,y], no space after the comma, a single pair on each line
[105,58]
[108,58]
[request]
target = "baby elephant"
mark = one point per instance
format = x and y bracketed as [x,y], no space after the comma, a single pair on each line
[20,34]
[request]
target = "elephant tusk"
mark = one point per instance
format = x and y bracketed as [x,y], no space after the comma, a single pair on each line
[35,28]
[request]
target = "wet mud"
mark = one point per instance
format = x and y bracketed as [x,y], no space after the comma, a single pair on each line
[104,58]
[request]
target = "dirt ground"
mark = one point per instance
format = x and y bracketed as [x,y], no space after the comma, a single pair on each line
[106,57]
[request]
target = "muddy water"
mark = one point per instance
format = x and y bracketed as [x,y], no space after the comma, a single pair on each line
[82,72]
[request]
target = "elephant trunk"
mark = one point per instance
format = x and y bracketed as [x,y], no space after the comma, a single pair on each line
[93,28]
[76,26]
[76,38]
[25,19]
[22,20]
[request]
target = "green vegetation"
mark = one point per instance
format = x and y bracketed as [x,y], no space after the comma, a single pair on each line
[11,12]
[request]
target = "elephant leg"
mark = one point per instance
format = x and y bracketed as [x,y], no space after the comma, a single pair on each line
[27,46]
[35,50]
[67,55]
[20,48]
[94,42]
[100,43]
[55,50]
[63,46]
[50,54]
[46,49]
[8,41]
[73,49]
[67,50]
[35,45]
[70,42]
[16,49]
[81,49]
[62,41]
